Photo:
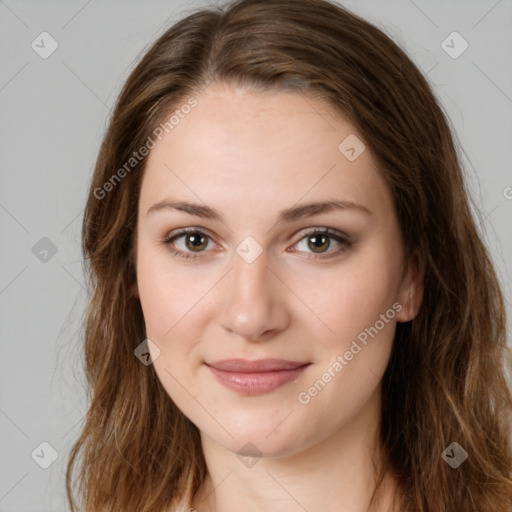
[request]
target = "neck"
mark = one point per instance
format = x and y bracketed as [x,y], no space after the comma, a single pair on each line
[336,474]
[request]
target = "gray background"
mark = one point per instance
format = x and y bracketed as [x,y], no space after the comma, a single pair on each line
[54,112]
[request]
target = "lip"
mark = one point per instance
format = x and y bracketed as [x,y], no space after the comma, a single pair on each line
[256,377]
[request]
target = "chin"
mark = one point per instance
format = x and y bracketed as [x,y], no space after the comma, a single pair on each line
[254,441]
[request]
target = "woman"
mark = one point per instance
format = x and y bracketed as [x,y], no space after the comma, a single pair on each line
[292,308]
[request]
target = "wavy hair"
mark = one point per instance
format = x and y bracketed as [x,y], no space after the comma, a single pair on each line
[446,379]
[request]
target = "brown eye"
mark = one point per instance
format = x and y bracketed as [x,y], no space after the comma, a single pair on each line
[318,243]
[187,243]
[196,242]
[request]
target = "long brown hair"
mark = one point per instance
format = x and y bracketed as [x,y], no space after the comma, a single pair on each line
[446,379]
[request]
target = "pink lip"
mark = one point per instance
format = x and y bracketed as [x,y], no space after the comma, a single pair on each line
[255,377]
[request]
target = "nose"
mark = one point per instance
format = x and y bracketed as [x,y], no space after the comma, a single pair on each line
[254,307]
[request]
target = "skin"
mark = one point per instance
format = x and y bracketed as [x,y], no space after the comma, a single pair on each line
[249,155]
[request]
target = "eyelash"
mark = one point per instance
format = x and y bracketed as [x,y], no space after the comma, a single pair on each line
[330,233]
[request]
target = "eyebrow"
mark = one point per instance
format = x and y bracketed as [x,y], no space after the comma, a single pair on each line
[287,215]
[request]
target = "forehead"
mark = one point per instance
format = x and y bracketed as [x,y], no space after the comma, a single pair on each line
[267,150]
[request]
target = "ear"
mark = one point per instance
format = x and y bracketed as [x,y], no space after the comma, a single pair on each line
[410,294]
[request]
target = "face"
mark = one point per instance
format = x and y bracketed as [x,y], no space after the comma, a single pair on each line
[271,320]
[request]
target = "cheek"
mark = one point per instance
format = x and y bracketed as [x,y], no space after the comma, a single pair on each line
[350,297]
[167,306]
[168,294]
[173,302]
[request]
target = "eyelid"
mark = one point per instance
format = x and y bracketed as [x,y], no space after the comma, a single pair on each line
[173,235]
[341,238]
[323,230]
[300,234]
[338,236]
